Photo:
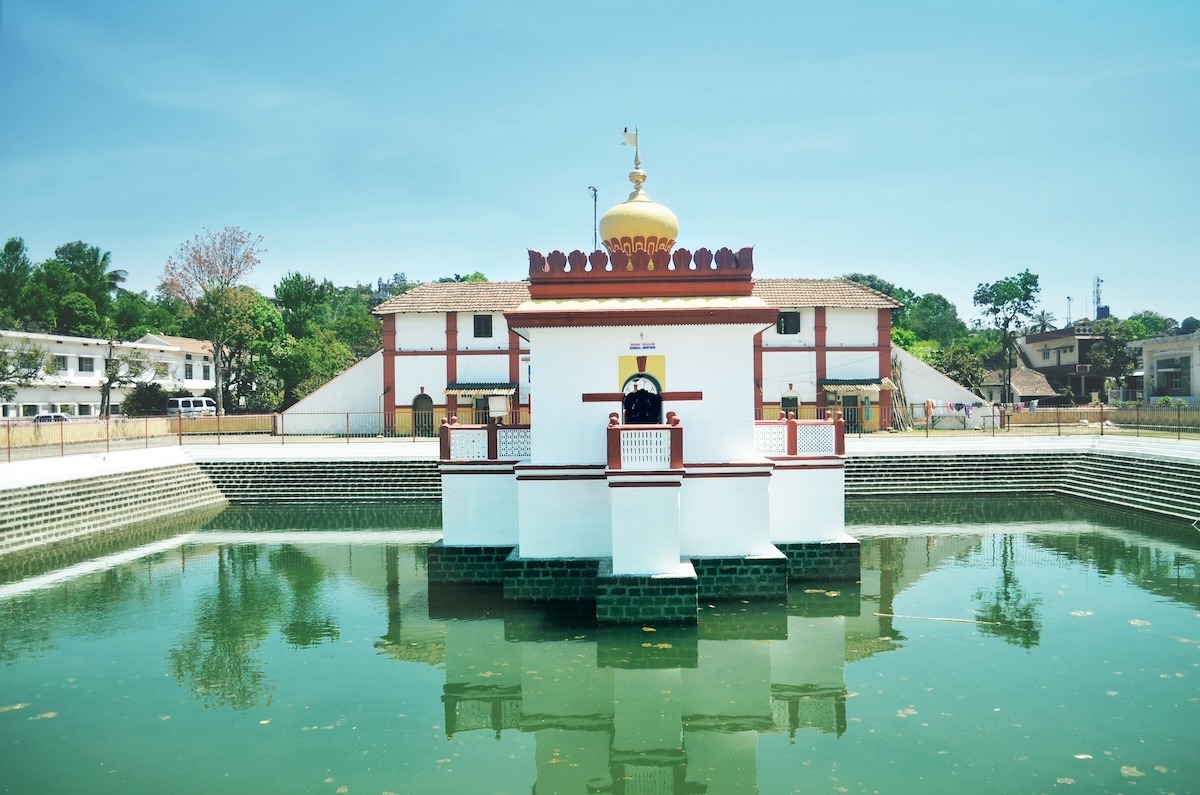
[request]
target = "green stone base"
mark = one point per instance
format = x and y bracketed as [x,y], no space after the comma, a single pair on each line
[758,577]
[478,565]
[549,579]
[646,599]
[823,561]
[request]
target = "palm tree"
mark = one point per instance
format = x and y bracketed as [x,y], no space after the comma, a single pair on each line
[1043,321]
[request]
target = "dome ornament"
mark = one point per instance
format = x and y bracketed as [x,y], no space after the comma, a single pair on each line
[639,223]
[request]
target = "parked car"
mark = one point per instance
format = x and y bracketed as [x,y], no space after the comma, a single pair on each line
[192,407]
[52,416]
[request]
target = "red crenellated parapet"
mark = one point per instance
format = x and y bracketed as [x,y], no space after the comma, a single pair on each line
[641,274]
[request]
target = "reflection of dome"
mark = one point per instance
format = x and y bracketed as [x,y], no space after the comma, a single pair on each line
[639,224]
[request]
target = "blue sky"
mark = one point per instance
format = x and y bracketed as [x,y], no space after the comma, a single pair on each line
[935,144]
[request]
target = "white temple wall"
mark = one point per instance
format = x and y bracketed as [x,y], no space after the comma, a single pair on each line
[467,341]
[421,331]
[414,372]
[645,529]
[852,364]
[851,327]
[479,510]
[781,368]
[807,504]
[564,518]
[482,368]
[718,361]
[725,516]
[806,337]
[571,362]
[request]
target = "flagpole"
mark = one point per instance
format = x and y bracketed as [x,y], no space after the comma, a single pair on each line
[595,246]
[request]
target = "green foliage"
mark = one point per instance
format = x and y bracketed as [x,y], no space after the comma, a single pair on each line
[470,277]
[1006,302]
[960,363]
[144,400]
[904,338]
[932,317]
[900,294]
[302,301]
[1189,325]
[1150,325]
[1109,356]
[306,364]
[78,313]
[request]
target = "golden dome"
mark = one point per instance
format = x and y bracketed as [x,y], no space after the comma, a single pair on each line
[638,224]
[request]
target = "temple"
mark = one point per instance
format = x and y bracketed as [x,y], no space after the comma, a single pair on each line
[645,483]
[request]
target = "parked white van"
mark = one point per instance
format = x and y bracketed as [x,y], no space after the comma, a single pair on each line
[192,406]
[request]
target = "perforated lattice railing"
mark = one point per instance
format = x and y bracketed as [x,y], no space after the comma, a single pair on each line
[770,439]
[512,444]
[649,449]
[469,444]
[815,439]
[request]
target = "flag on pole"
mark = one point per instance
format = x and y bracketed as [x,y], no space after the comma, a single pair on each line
[630,138]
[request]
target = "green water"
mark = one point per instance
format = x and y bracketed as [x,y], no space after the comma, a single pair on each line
[989,648]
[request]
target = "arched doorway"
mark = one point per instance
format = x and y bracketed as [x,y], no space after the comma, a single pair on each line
[422,409]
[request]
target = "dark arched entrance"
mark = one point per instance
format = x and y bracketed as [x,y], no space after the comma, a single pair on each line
[642,404]
[422,409]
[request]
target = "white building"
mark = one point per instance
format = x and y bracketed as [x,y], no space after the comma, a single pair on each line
[1171,366]
[645,480]
[177,363]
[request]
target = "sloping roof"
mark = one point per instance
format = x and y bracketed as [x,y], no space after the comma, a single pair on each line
[1025,382]
[183,343]
[842,293]
[504,296]
[458,297]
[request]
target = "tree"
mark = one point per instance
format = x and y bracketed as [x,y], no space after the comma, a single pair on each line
[202,274]
[1042,322]
[1109,355]
[1006,302]
[477,276]
[41,299]
[960,364]
[1189,325]
[93,272]
[145,399]
[253,350]
[308,363]
[1152,324]
[302,300]
[15,269]
[900,294]
[120,370]
[932,317]
[77,315]
[21,366]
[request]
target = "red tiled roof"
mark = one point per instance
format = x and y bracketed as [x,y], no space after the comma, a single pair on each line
[458,297]
[503,296]
[843,293]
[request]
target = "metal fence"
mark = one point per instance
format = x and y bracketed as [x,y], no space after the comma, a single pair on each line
[24,438]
